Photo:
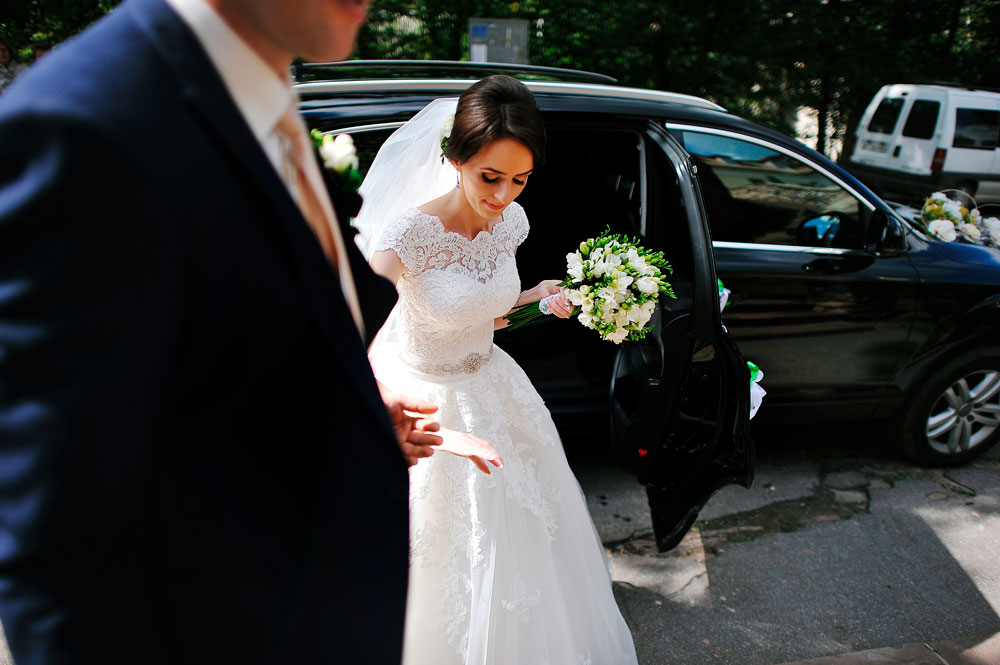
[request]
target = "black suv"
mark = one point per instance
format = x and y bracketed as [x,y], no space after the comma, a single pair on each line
[852,311]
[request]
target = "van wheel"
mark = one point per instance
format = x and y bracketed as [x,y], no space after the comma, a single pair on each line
[967,186]
[954,414]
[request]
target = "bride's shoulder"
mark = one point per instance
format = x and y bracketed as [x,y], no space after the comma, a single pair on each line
[411,235]
[403,226]
[518,221]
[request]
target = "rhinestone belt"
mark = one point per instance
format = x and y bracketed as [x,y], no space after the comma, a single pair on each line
[470,364]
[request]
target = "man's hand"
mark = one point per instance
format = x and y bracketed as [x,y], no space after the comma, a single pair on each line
[414,432]
[419,436]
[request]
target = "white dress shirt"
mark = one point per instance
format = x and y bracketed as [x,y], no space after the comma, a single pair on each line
[261,95]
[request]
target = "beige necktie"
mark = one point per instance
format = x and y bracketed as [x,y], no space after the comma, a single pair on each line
[301,174]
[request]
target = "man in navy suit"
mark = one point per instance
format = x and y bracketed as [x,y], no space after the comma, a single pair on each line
[196,465]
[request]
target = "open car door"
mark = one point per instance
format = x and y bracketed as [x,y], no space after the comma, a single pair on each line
[680,398]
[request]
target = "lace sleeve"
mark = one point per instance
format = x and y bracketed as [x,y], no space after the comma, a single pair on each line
[399,236]
[520,220]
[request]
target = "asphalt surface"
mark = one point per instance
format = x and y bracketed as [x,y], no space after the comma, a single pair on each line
[841,551]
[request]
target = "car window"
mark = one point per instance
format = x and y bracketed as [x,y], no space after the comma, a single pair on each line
[755,194]
[922,120]
[884,119]
[976,128]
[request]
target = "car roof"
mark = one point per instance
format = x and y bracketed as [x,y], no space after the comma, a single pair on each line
[395,99]
[393,91]
[438,86]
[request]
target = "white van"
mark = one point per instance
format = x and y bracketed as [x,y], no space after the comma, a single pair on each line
[916,139]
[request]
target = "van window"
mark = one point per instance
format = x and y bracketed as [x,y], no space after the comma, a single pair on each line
[758,195]
[976,128]
[922,120]
[886,115]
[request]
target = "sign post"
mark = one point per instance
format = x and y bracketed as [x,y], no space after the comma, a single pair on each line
[498,40]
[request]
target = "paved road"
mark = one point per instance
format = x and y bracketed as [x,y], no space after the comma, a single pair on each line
[839,547]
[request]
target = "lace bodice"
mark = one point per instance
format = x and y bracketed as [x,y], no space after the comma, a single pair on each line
[453,288]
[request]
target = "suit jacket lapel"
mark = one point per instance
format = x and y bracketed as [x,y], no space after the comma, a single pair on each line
[206,94]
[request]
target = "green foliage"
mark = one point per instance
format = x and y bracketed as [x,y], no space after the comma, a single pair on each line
[763,59]
[45,23]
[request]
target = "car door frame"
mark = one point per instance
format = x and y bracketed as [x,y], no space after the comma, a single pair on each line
[686,452]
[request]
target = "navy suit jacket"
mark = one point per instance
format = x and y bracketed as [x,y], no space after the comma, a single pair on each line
[195,465]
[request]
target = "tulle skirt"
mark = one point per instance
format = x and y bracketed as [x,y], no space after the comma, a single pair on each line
[507,568]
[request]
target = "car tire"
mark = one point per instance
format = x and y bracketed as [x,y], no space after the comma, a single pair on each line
[953,415]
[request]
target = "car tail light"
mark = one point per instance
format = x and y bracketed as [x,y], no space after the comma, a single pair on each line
[937,163]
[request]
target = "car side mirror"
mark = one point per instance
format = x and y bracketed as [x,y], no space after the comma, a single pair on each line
[884,236]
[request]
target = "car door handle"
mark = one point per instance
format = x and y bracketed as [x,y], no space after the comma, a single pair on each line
[895,152]
[850,262]
[824,266]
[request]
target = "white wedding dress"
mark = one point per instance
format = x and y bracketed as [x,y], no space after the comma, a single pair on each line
[505,569]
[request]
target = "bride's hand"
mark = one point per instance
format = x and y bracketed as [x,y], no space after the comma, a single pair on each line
[560,305]
[479,451]
[416,434]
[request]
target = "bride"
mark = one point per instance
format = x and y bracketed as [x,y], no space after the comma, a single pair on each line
[506,567]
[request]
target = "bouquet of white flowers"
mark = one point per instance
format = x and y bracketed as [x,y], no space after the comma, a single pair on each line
[614,283]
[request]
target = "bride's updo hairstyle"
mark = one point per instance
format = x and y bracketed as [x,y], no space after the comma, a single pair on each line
[497,107]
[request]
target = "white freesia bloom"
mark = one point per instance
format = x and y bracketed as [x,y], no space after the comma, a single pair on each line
[940,197]
[618,336]
[636,261]
[599,268]
[971,231]
[339,154]
[608,293]
[647,285]
[586,319]
[575,296]
[977,217]
[992,225]
[613,260]
[575,271]
[943,229]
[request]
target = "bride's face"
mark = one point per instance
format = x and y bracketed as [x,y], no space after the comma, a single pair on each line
[495,176]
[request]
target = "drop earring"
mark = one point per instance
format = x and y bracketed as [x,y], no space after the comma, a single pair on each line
[458,181]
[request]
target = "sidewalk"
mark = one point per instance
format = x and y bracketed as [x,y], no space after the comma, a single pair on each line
[983,651]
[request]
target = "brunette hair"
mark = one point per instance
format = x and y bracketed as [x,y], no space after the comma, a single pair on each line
[497,107]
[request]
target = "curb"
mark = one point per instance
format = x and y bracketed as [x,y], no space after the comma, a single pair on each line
[969,651]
